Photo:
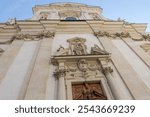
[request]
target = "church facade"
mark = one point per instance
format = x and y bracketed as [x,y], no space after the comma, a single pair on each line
[70,51]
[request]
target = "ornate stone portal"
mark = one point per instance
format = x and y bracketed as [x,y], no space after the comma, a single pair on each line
[74,64]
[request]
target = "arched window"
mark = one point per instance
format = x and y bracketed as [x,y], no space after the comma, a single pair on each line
[71,18]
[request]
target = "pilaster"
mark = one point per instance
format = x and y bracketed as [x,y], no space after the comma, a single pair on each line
[136,86]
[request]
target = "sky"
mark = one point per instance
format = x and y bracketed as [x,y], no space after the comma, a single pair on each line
[133,11]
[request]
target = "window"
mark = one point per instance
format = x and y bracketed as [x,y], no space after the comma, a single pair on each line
[71,18]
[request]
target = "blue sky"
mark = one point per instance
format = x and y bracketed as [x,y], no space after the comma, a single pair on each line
[134,11]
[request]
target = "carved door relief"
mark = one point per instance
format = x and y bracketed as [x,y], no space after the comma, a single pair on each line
[88,91]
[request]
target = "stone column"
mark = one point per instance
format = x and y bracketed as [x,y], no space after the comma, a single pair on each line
[107,72]
[61,83]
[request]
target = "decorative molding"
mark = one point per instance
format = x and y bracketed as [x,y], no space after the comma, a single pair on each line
[39,36]
[115,35]
[146,47]
[81,66]
[78,62]
[7,42]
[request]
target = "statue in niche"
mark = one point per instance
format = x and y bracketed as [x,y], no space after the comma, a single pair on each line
[88,91]
[97,50]
[11,21]
[77,46]
[78,49]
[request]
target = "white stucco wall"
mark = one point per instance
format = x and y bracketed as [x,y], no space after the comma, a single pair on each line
[138,65]
[11,86]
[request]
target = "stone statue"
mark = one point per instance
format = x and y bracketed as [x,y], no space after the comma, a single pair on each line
[77,46]
[78,49]
[97,50]
[62,51]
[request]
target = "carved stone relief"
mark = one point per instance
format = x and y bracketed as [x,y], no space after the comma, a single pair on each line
[39,36]
[115,35]
[88,91]
[79,68]
[77,47]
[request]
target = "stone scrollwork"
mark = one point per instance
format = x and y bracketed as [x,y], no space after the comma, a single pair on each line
[106,70]
[72,68]
[60,72]
[76,62]
[146,47]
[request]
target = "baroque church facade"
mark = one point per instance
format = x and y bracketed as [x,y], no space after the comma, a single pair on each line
[70,51]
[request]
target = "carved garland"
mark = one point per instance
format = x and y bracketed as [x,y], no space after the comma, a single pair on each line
[121,35]
[106,34]
[146,37]
[38,36]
